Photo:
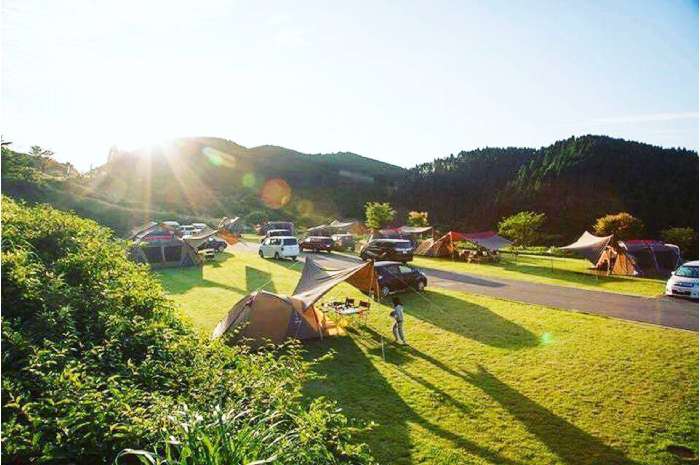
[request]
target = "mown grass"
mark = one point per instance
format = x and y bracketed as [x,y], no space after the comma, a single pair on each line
[485,381]
[560,271]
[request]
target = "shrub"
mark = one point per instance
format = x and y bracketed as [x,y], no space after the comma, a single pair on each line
[378,214]
[685,238]
[522,228]
[95,360]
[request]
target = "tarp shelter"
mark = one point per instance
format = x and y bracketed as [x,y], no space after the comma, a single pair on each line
[320,230]
[229,229]
[589,246]
[264,315]
[196,240]
[160,246]
[444,246]
[653,257]
[616,261]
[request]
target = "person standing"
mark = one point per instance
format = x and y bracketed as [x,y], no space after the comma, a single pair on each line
[397,315]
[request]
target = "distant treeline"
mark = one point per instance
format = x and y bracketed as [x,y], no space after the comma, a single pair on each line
[573,182]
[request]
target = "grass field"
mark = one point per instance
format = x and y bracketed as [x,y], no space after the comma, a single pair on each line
[485,381]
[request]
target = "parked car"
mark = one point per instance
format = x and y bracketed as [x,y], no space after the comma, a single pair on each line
[343,241]
[199,227]
[317,244]
[276,233]
[213,243]
[397,276]
[279,247]
[684,281]
[187,230]
[172,224]
[399,250]
[270,225]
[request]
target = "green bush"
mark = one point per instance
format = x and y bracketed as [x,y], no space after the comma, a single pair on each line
[95,361]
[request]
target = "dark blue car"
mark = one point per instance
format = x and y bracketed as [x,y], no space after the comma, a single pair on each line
[397,276]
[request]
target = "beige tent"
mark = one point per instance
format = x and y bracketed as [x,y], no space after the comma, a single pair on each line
[159,245]
[264,315]
[617,262]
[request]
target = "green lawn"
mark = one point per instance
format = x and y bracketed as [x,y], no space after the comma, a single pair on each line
[485,381]
[571,272]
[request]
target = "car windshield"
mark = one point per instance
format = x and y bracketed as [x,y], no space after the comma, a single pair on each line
[403,245]
[687,271]
[290,242]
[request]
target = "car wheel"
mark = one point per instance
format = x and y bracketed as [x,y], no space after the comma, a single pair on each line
[261,254]
[294,258]
[277,256]
[420,286]
[385,291]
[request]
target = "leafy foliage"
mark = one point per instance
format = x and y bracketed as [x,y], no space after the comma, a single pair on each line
[94,361]
[523,227]
[622,225]
[417,218]
[378,214]
[685,238]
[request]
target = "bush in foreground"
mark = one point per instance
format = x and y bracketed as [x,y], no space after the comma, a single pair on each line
[95,361]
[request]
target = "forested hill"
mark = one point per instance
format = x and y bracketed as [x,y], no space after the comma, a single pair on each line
[573,181]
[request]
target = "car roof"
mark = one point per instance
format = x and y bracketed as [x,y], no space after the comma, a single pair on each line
[319,237]
[390,240]
[387,263]
[282,237]
[693,263]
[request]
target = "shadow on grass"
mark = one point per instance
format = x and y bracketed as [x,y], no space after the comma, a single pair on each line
[361,390]
[181,280]
[467,319]
[256,279]
[573,445]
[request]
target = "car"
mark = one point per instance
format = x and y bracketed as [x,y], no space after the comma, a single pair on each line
[279,247]
[271,225]
[684,281]
[399,250]
[276,233]
[187,230]
[317,244]
[396,276]
[213,243]
[343,241]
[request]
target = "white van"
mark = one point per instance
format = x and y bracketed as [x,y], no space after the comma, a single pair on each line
[187,230]
[279,247]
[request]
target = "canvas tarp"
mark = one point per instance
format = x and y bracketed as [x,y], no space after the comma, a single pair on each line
[487,239]
[201,238]
[617,261]
[442,247]
[589,246]
[653,257]
[316,281]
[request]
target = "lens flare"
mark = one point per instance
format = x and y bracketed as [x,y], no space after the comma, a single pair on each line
[219,158]
[276,193]
[305,207]
[249,180]
[546,339]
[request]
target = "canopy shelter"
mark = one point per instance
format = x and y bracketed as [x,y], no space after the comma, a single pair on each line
[589,246]
[404,231]
[444,246]
[201,238]
[264,315]
[320,230]
[336,227]
[229,229]
[160,246]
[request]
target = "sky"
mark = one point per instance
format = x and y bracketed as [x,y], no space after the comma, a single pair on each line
[400,81]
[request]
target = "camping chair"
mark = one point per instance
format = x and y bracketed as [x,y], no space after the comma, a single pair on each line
[364,309]
[349,302]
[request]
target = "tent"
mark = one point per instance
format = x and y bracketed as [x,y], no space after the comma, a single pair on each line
[229,229]
[444,246]
[616,261]
[589,246]
[264,315]
[160,246]
[653,257]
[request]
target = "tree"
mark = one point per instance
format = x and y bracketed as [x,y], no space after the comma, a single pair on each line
[256,217]
[378,214]
[685,238]
[522,228]
[42,156]
[417,218]
[622,225]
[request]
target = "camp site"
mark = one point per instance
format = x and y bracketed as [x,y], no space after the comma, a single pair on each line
[349,233]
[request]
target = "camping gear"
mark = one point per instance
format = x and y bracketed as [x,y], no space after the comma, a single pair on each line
[615,261]
[160,246]
[444,246]
[589,246]
[653,257]
[264,315]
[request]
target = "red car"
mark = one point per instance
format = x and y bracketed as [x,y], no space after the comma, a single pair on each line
[317,244]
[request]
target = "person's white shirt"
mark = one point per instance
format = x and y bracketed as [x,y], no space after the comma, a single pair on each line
[398,312]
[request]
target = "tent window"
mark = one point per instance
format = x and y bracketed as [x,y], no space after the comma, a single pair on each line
[173,253]
[644,259]
[666,259]
[153,254]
